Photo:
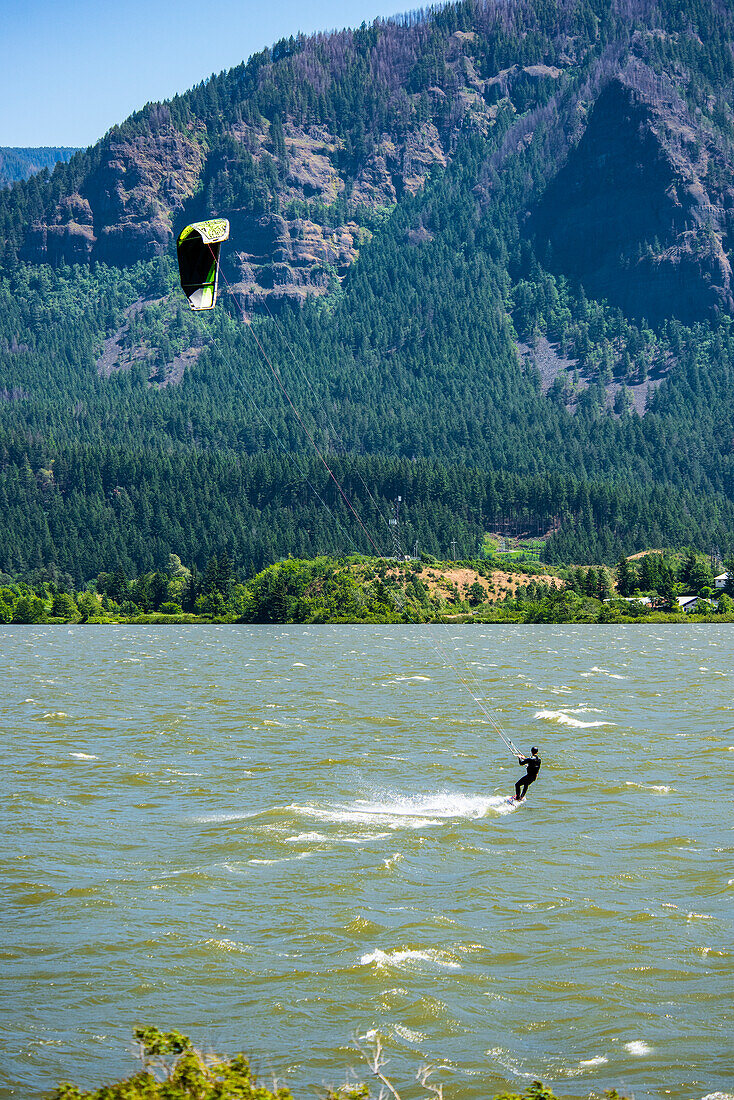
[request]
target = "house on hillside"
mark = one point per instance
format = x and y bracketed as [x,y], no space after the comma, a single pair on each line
[696,603]
[721,580]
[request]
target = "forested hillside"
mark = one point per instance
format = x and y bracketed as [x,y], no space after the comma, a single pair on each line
[19,164]
[486,251]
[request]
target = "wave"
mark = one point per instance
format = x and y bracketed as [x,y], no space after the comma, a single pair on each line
[563,719]
[215,819]
[284,859]
[408,811]
[408,1034]
[83,756]
[308,838]
[399,959]
[229,945]
[648,787]
[638,1048]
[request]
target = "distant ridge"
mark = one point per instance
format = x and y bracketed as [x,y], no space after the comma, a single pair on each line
[488,249]
[20,163]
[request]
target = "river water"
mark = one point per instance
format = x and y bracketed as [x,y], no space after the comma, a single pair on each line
[283,839]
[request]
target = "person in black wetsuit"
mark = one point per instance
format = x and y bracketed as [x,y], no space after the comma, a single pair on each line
[532,763]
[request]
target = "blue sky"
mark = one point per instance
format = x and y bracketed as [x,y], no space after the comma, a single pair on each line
[73,68]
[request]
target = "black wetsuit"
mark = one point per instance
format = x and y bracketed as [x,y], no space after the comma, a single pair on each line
[533,765]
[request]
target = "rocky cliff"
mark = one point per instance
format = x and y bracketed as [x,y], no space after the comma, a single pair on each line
[306,147]
[636,213]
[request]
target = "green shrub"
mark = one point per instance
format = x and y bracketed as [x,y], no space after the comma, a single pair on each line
[173,1070]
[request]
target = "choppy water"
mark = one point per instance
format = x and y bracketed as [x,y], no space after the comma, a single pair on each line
[278,839]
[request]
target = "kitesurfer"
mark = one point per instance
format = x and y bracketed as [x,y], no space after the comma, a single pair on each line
[532,763]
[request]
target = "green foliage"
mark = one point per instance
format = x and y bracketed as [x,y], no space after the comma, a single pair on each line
[64,607]
[189,1076]
[20,163]
[406,374]
[535,1091]
[154,1042]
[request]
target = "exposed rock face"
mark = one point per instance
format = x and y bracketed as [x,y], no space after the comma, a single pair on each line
[311,170]
[123,209]
[554,367]
[289,258]
[70,237]
[127,207]
[119,354]
[629,214]
[281,257]
[634,213]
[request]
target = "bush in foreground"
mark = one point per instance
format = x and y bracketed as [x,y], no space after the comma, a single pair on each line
[174,1070]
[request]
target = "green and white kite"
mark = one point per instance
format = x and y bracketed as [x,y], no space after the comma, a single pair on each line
[198,260]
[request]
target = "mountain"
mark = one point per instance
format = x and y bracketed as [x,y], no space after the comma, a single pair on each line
[484,251]
[19,164]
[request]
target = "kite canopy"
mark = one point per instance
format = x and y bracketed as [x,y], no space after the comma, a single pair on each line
[198,260]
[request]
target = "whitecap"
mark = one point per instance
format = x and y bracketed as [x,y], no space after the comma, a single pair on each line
[638,1048]
[384,959]
[229,945]
[503,1058]
[83,756]
[406,1033]
[307,838]
[233,869]
[600,1060]
[563,719]
[648,787]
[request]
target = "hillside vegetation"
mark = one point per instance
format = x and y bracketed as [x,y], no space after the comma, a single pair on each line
[19,164]
[368,590]
[487,251]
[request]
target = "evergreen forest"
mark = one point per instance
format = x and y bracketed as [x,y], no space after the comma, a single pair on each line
[479,260]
